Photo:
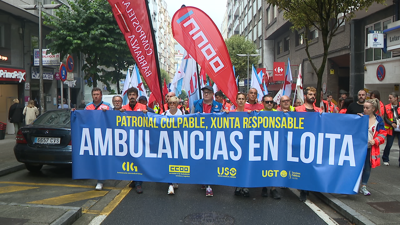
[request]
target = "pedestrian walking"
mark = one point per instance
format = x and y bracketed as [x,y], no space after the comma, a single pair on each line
[207,105]
[308,106]
[392,123]
[358,107]
[98,104]
[30,112]
[15,114]
[173,111]
[376,137]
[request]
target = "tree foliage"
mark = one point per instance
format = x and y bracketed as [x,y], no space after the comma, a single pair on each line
[183,95]
[326,16]
[240,45]
[89,27]
[165,75]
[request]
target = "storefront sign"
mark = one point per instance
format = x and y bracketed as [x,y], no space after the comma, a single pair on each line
[27,86]
[375,40]
[279,71]
[380,72]
[393,39]
[48,59]
[46,75]
[9,74]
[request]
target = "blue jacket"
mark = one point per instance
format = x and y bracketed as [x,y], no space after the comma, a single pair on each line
[198,106]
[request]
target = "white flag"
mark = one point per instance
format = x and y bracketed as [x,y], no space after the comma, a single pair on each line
[278,96]
[287,86]
[256,83]
[127,85]
[299,87]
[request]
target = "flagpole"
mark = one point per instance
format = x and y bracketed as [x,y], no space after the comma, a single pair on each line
[198,79]
[155,53]
[294,96]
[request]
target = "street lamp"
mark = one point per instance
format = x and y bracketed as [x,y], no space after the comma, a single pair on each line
[39,6]
[248,69]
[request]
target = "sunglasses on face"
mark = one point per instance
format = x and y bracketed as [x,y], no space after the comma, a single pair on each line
[268,102]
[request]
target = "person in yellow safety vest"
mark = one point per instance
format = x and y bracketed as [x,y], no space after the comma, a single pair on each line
[391,116]
[285,105]
[156,109]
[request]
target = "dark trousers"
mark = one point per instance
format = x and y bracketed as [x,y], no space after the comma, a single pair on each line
[389,143]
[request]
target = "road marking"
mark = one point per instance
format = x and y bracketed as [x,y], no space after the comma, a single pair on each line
[325,217]
[64,199]
[9,189]
[114,203]
[58,185]
[109,208]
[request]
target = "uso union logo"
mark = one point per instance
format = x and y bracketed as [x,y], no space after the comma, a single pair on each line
[227,172]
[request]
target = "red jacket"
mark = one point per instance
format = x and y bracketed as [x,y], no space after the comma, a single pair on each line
[389,113]
[379,138]
[138,107]
[302,108]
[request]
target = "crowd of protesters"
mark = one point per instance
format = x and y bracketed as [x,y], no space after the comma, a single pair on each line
[383,124]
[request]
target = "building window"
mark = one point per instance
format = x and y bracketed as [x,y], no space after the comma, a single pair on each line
[268,15]
[5,37]
[299,38]
[280,47]
[375,54]
[286,44]
[313,34]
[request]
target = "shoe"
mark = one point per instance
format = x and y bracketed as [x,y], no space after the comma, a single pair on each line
[209,192]
[303,195]
[238,191]
[203,187]
[171,190]
[99,186]
[245,192]
[264,192]
[139,189]
[275,194]
[132,184]
[386,163]
[364,191]
[176,186]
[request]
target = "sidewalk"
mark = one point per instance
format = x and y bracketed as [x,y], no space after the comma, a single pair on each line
[382,207]
[16,213]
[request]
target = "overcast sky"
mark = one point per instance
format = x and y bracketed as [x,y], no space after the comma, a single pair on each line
[215,9]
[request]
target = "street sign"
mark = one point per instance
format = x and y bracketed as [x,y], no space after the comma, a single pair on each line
[63,72]
[70,63]
[57,76]
[380,72]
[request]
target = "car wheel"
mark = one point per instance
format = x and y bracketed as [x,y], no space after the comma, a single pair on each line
[33,167]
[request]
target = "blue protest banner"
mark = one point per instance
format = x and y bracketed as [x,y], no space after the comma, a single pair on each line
[309,151]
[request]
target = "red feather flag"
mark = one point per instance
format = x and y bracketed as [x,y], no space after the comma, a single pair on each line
[133,20]
[198,34]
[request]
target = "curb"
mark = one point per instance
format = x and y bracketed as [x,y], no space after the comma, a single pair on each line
[71,215]
[343,209]
[11,169]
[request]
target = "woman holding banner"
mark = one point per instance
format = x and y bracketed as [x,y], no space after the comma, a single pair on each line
[376,137]
[173,111]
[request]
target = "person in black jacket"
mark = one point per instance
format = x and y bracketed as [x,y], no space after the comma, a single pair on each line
[15,115]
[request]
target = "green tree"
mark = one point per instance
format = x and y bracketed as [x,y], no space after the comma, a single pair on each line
[164,75]
[183,95]
[326,16]
[240,45]
[89,27]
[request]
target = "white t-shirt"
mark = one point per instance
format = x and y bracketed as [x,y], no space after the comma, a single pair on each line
[178,113]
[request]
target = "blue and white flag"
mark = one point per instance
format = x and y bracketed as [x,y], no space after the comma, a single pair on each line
[287,86]
[256,83]
[127,85]
[137,82]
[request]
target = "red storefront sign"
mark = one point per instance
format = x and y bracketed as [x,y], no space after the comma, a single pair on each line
[9,74]
[279,71]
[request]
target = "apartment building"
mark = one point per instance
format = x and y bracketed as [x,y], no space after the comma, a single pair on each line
[350,66]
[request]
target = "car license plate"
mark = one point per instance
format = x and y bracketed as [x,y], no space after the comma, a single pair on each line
[47,140]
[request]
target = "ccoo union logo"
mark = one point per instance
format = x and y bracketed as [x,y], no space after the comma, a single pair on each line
[179,170]
[227,172]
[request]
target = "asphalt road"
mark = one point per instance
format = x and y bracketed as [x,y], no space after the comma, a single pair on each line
[189,205]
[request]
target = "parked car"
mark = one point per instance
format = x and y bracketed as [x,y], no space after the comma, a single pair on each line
[46,141]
